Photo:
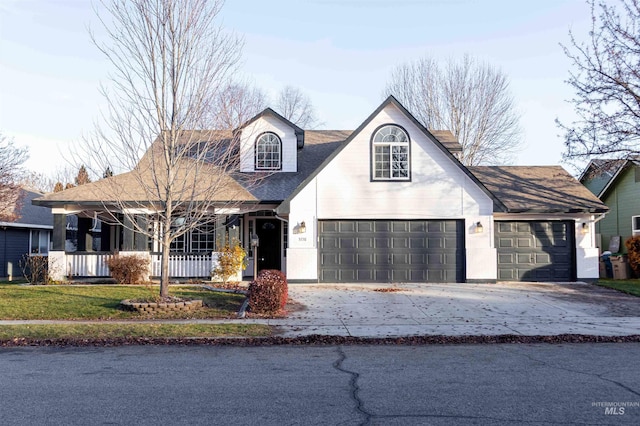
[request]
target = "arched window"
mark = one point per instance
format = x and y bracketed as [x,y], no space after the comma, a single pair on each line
[268,152]
[390,154]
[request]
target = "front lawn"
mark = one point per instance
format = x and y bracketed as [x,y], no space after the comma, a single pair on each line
[106,330]
[101,302]
[626,286]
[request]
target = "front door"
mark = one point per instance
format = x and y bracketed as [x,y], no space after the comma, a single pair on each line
[269,232]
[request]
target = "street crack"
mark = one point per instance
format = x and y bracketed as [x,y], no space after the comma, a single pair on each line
[353,385]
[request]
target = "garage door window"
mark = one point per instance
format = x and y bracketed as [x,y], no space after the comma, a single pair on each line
[390,154]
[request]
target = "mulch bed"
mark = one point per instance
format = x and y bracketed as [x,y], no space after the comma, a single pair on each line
[320,340]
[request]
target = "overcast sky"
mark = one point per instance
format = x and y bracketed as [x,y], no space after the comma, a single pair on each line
[339,52]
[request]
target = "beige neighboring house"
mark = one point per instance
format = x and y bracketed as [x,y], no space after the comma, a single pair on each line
[387,202]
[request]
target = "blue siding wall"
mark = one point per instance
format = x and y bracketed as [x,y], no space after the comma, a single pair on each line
[14,243]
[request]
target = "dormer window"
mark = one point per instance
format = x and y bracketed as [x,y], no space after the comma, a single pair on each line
[268,152]
[390,154]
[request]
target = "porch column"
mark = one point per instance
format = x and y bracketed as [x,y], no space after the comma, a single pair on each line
[105,237]
[59,235]
[85,238]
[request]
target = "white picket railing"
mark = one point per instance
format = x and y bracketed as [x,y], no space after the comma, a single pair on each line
[87,264]
[181,265]
[184,265]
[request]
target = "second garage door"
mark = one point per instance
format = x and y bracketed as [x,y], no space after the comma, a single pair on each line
[391,251]
[535,251]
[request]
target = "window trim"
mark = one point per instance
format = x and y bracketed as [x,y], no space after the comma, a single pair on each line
[372,155]
[255,154]
[635,231]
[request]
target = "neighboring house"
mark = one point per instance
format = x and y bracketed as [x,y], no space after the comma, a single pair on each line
[617,184]
[29,234]
[387,202]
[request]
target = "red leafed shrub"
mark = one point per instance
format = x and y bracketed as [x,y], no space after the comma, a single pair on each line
[128,269]
[633,249]
[268,292]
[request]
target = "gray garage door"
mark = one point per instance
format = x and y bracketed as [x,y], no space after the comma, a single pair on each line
[391,251]
[535,251]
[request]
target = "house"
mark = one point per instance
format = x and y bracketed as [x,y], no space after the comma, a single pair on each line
[387,202]
[617,184]
[29,234]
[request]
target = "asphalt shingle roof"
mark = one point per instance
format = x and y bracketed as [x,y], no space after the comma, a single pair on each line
[537,189]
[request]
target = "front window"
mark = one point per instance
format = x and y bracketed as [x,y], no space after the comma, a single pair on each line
[635,225]
[39,242]
[390,154]
[268,152]
[203,238]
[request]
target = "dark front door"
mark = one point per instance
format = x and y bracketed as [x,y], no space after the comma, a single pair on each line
[269,232]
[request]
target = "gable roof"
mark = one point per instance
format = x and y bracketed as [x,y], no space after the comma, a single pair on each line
[268,111]
[284,207]
[538,189]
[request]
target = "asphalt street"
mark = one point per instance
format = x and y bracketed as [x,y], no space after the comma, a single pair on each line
[334,385]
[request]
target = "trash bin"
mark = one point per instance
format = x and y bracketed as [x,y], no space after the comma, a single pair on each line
[608,266]
[620,266]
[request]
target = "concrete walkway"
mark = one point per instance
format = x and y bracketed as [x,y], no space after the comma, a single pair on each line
[445,309]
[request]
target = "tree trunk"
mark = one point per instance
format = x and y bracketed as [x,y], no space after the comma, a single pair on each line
[164,263]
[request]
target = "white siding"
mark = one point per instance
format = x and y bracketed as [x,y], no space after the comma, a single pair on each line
[438,189]
[268,123]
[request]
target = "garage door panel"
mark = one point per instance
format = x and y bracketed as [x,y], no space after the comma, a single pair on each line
[400,259]
[389,250]
[364,226]
[417,243]
[382,243]
[382,259]
[505,242]
[347,243]
[365,243]
[435,243]
[543,251]
[382,226]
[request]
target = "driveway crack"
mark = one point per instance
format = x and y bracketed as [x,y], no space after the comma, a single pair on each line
[354,388]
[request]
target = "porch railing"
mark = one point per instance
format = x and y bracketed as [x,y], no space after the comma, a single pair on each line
[181,265]
[87,264]
[185,265]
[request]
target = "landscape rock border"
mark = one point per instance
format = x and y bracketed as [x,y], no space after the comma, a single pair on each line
[149,307]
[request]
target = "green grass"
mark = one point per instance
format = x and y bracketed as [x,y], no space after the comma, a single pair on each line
[101,302]
[626,286]
[114,331]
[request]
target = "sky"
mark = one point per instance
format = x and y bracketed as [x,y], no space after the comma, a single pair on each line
[339,52]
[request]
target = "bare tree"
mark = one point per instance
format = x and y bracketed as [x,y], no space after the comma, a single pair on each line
[12,158]
[237,102]
[470,99]
[171,59]
[296,107]
[606,80]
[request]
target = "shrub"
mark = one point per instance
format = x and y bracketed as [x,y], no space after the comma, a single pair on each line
[128,269]
[633,249]
[35,269]
[268,292]
[232,257]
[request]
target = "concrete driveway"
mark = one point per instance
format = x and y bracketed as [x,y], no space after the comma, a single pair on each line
[459,309]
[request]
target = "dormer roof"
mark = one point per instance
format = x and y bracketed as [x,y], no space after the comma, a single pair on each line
[268,111]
